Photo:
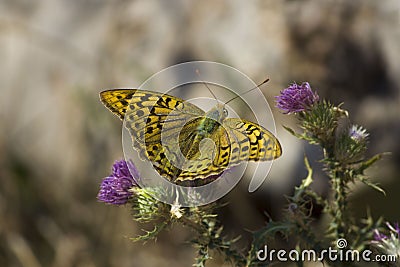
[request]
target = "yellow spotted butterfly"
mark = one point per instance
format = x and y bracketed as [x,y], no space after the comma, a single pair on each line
[183,142]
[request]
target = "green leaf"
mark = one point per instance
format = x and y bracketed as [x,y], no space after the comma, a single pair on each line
[203,256]
[371,184]
[270,230]
[306,182]
[292,132]
[369,162]
[150,234]
[303,136]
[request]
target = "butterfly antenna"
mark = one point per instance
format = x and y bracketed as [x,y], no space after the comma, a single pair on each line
[265,81]
[198,74]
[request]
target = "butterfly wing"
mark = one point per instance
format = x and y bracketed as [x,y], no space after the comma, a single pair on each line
[117,101]
[139,104]
[236,141]
[154,121]
[212,157]
[251,141]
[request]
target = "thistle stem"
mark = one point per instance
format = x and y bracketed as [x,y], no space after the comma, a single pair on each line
[207,237]
[339,205]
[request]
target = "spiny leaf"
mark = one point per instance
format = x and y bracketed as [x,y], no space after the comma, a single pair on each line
[271,229]
[371,184]
[369,162]
[150,234]
[306,182]
[303,136]
[203,256]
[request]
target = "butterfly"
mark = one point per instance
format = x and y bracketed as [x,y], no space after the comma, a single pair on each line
[183,142]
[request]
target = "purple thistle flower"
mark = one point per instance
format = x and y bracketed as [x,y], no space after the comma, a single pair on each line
[358,133]
[379,236]
[390,243]
[395,228]
[296,98]
[115,189]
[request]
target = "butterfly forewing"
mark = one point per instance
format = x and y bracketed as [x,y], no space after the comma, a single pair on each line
[153,120]
[117,100]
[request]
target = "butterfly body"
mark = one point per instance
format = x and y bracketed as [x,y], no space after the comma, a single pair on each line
[211,120]
[183,142]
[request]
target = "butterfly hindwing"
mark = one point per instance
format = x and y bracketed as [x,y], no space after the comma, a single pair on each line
[236,141]
[251,141]
[212,159]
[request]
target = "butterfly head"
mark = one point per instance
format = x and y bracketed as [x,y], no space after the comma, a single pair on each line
[218,113]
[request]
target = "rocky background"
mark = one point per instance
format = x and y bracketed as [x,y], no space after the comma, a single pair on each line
[57,140]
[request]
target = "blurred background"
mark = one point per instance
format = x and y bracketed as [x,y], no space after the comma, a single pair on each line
[57,141]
